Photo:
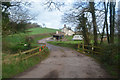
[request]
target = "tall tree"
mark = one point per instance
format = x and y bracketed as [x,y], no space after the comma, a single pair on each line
[112,21]
[92,10]
[103,31]
[105,23]
[83,25]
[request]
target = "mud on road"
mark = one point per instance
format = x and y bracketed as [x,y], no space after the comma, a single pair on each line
[65,63]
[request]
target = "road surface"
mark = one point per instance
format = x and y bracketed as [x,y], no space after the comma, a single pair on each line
[65,63]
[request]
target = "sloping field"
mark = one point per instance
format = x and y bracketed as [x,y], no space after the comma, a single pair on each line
[34,31]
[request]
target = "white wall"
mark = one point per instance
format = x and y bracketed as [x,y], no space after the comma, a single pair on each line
[67,32]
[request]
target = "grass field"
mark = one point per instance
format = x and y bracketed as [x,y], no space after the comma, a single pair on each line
[33,31]
[13,43]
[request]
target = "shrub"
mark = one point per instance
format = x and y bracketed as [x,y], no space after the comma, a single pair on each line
[110,58]
[110,54]
[29,40]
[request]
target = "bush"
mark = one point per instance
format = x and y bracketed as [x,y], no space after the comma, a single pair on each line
[29,40]
[110,58]
[110,54]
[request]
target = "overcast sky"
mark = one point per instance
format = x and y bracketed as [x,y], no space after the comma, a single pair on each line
[52,19]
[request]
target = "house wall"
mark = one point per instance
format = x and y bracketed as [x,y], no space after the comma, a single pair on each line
[67,32]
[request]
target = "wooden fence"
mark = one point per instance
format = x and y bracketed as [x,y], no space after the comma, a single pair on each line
[89,48]
[23,55]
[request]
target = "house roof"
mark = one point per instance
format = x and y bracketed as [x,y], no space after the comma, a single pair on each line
[68,29]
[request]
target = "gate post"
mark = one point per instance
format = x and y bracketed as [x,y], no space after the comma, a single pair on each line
[78,45]
[83,47]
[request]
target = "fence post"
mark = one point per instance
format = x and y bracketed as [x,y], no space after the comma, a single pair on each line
[78,45]
[83,47]
[20,55]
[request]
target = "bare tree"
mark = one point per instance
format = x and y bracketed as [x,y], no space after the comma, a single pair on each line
[94,22]
[53,4]
[14,15]
[105,23]
[82,24]
[112,21]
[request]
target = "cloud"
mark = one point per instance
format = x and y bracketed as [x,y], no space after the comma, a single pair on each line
[52,19]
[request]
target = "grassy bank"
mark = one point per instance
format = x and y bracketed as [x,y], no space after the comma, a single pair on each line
[10,70]
[13,43]
[34,31]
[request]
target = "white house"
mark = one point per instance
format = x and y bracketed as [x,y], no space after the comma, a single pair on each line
[67,31]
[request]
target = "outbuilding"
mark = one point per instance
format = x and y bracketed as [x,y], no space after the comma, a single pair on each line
[58,35]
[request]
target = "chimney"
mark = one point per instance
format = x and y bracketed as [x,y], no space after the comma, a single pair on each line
[64,25]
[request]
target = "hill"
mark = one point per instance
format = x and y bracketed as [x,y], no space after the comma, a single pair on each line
[34,31]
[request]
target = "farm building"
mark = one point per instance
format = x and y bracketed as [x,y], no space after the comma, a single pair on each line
[67,31]
[58,35]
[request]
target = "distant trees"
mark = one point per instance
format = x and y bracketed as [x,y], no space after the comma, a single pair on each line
[14,17]
[32,25]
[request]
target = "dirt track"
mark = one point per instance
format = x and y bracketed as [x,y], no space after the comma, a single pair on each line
[65,63]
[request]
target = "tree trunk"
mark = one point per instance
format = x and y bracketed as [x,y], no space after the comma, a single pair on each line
[106,23]
[94,22]
[111,25]
[85,31]
[102,34]
[112,21]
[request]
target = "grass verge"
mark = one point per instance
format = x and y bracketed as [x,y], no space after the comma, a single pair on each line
[10,70]
[69,44]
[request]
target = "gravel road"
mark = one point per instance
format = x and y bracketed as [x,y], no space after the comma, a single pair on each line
[65,63]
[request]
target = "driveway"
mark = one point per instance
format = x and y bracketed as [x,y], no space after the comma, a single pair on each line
[65,63]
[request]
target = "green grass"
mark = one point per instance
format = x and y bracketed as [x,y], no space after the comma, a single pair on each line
[39,38]
[69,38]
[41,30]
[10,70]
[16,38]
[65,42]
[13,43]
[70,44]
